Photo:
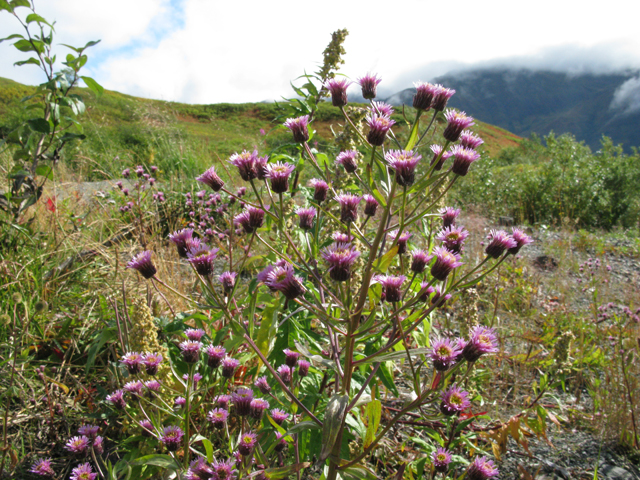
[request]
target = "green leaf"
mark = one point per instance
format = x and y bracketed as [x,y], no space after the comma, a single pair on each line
[25,46]
[11,37]
[91,43]
[209,449]
[384,262]
[94,86]
[34,17]
[20,3]
[46,171]
[157,460]
[106,335]
[358,472]
[384,373]
[39,125]
[413,138]
[33,61]
[301,427]
[283,472]
[332,423]
[268,328]
[373,414]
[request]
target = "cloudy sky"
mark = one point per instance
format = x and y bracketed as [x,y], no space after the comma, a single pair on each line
[209,51]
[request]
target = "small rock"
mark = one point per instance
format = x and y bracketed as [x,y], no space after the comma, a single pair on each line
[609,472]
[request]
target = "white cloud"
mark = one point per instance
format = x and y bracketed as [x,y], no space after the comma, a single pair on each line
[626,98]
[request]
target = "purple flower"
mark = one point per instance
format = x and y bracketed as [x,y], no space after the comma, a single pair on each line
[340,257]
[117,399]
[279,174]
[303,367]
[306,216]
[222,401]
[348,160]
[202,259]
[482,340]
[194,334]
[401,240]
[469,140]
[404,163]
[481,469]
[126,172]
[261,170]
[499,241]
[215,354]
[299,128]
[247,443]
[279,416]
[449,215]
[132,360]
[369,84]
[338,90]
[139,170]
[229,366]
[147,428]
[134,388]
[228,280]
[439,156]
[438,299]
[250,220]
[183,240]
[43,468]
[151,362]
[320,189]
[200,469]
[283,280]
[246,163]
[379,125]
[190,351]
[241,400]
[218,417]
[425,291]
[441,459]
[444,354]
[224,470]
[285,372]
[172,437]
[454,401]
[211,179]
[340,237]
[523,239]
[441,97]
[143,264]
[445,262]
[424,95]
[348,207]
[78,445]
[291,357]
[382,108]
[258,406]
[453,238]
[83,472]
[152,386]
[179,402]
[391,286]
[98,445]
[456,123]
[419,260]
[281,443]
[462,159]
[90,431]
[371,205]
[262,384]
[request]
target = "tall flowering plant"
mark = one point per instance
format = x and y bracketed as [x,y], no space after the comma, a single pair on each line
[310,293]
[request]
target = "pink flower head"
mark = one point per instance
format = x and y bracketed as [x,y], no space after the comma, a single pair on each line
[247,443]
[285,373]
[134,388]
[181,239]
[457,122]
[251,219]
[445,262]
[401,240]
[441,97]
[348,207]
[371,205]
[218,417]
[391,286]
[449,216]
[90,431]
[481,469]
[482,340]
[453,238]
[228,280]
[133,361]
[78,445]
[246,163]
[215,354]
[438,299]
[523,239]
[262,384]
[194,334]
[190,351]
[43,468]
[152,386]
[348,160]
[291,357]
[441,459]
[279,174]
[340,257]
[224,470]
[306,216]
[444,354]
[201,258]
[379,125]
[172,437]
[404,163]
[261,168]
[369,84]
[499,241]
[117,399]
[283,280]
[462,159]
[439,156]
[222,401]
[299,128]
[241,400]
[469,140]
[340,237]
[419,260]
[382,108]
[454,401]
[211,179]
[425,291]
[258,406]
[279,416]
[338,90]
[424,95]
[83,472]
[143,264]
[303,367]
[151,362]
[281,442]
[200,469]
[320,189]
[147,428]
[229,366]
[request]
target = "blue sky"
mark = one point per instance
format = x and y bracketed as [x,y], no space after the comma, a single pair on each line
[209,51]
